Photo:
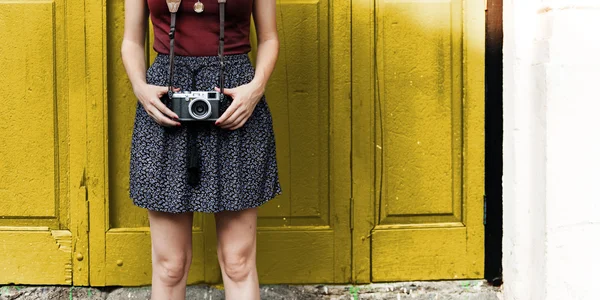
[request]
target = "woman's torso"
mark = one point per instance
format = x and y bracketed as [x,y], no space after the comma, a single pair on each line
[197,34]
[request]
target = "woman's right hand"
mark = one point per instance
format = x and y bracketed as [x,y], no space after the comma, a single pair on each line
[149,96]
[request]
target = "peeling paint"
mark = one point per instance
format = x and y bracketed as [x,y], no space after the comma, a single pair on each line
[63,239]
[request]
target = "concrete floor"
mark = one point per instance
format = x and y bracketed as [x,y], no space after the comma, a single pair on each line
[440,290]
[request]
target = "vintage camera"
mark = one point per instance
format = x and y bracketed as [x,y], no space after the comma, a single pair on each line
[196,105]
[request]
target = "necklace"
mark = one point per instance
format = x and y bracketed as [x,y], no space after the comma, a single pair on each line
[198,7]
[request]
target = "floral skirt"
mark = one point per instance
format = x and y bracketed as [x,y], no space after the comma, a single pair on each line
[237,169]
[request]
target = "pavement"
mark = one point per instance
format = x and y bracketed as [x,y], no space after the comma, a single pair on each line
[439,290]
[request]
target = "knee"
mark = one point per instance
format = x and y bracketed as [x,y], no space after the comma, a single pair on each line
[237,267]
[172,270]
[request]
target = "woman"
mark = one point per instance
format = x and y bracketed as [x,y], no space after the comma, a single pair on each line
[236,169]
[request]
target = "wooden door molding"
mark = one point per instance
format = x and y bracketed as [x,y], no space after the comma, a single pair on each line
[363,81]
[97,137]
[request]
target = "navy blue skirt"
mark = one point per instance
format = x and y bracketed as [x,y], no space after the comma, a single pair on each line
[237,169]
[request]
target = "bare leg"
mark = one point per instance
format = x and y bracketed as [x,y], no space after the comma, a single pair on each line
[171,236]
[236,250]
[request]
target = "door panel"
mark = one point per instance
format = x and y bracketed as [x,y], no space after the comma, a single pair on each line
[303,235]
[421,106]
[427,143]
[43,183]
[32,109]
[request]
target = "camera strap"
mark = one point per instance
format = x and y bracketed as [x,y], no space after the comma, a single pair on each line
[193,157]
[173,8]
[221,46]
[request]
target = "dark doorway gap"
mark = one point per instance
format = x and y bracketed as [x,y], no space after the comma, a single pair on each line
[493,142]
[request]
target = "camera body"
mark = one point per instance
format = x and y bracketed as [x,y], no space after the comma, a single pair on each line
[196,105]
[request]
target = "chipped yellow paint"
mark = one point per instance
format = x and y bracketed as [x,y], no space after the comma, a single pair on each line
[35,255]
[63,239]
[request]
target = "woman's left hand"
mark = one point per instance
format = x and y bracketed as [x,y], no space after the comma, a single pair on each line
[245,97]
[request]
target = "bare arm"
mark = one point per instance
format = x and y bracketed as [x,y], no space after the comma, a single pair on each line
[133,56]
[268,42]
[246,97]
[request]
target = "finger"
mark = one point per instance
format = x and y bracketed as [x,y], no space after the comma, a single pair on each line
[233,121]
[230,110]
[164,109]
[162,120]
[161,90]
[239,125]
[153,117]
[149,112]
[227,122]
[165,89]
[228,92]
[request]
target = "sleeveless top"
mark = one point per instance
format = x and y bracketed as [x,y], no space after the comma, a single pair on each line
[197,34]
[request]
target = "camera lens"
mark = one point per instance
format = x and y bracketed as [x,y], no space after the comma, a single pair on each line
[199,109]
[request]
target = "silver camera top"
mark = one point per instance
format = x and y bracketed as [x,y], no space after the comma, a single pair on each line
[191,95]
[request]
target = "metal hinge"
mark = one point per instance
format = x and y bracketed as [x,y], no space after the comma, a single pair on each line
[351,213]
[485,3]
[84,189]
[87,204]
[484,209]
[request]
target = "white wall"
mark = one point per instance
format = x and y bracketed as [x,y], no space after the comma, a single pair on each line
[551,149]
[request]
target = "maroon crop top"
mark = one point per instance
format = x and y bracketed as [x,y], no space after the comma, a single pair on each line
[197,34]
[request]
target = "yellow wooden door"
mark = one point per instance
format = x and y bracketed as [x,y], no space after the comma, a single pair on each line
[47,90]
[303,235]
[418,107]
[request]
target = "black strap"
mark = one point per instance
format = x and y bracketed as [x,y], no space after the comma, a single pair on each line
[221,46]
[173,7]
[171,53]
[193,157]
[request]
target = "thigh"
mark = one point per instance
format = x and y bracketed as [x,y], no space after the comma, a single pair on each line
[171,234]
[236,231]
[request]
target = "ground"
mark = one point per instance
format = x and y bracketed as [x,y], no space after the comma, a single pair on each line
[441,290]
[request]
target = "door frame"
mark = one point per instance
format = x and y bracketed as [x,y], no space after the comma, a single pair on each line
[90,82]
[493,143]
[363,132]
[96,139]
